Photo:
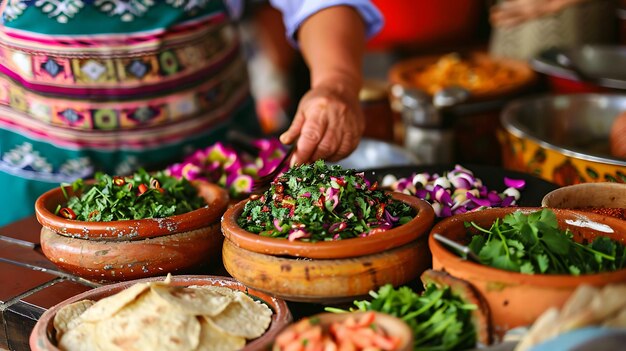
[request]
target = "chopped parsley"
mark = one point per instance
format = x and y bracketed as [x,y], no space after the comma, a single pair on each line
[319,202]
[534,243]
[138,196]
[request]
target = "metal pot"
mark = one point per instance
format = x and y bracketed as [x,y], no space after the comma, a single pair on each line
[587,69]
[564,138]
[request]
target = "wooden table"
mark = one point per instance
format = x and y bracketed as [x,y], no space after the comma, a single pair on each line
[30,284]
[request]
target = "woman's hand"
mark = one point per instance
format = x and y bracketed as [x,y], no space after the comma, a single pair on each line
[329,122]
[328,125]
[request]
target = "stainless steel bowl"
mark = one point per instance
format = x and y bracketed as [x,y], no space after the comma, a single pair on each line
[372,153]
[563,138]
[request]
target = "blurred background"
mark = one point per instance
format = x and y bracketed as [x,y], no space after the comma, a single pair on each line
[441,76]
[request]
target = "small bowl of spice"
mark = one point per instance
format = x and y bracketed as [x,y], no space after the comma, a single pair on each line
[324,232]
[603,198]
[113,228]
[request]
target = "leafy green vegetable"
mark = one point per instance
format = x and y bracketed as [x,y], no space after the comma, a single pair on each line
[534,243]
[135,197]
[439,319]
[320,202]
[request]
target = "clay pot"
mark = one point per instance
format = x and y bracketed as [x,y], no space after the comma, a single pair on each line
[608,195]
[42,336]
[132,249]
[391,325]
[517,299]
[325,281]
[331,249]
[329,271]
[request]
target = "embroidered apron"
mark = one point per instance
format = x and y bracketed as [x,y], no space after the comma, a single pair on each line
[111,85]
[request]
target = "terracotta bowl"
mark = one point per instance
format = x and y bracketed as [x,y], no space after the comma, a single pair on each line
[331,249]
[43,335]
[132,249]
[604,195]
[326,281]
[391,325]
[517,299]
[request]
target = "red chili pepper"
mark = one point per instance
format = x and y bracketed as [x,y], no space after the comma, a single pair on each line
[320,202]
[380,211]
[119,181]
[67,213]
[142,188]
[374,186]
[265,209]
[279,188]
[340,182]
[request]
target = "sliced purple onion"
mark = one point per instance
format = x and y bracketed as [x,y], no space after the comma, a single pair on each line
[298,234]
[277,224]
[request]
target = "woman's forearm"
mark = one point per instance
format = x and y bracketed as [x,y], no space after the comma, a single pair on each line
[332,42]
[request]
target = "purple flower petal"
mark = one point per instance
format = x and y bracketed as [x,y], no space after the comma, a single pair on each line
[514,183]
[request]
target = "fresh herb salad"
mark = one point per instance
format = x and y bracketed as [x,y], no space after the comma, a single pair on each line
[134,197]
[534,243]
[320,202]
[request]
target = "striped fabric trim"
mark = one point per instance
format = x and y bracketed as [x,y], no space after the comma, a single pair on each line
[78,114]
[136,139]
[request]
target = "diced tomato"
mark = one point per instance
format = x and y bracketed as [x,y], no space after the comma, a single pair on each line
[346,345]
[329,345]
[385,342]
[366,319]
[285,337]
[296,345]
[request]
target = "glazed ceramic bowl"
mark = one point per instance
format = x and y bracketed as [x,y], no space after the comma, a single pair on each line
[132,249]
[579,196]
[563,139]
[517,299]
[43,335]
[332,271]
[391,325]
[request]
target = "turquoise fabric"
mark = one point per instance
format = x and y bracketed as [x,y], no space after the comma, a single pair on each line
[91,20]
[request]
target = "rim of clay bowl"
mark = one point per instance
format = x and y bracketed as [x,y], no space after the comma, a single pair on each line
[392,325]
[588,193]
[40,337]
[353,247]
[447,258]
[132,229]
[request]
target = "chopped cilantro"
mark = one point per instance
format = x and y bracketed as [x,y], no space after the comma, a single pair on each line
[534,243]
[138,196]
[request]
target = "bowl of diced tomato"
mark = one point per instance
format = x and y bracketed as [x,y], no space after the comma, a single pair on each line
[346,331]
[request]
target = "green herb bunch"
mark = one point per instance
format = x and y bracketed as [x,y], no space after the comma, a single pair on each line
[138,196]
[534,243]
[320,202]
[440,320]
